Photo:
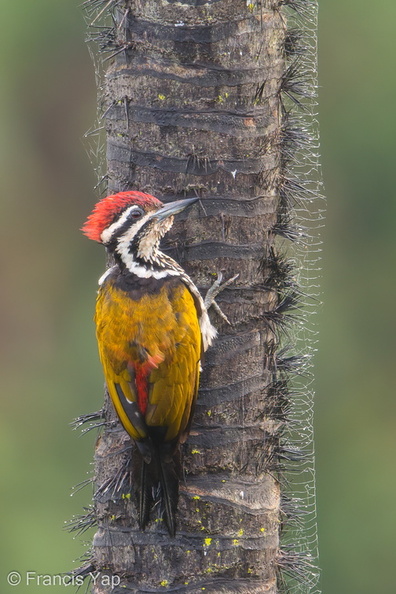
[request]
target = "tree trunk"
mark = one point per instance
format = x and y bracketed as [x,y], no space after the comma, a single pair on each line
[194,106]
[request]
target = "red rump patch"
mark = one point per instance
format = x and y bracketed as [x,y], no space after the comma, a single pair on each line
[142,373]
[108,208]
[142,389]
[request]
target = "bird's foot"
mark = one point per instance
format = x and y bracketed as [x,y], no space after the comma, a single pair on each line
[214,290]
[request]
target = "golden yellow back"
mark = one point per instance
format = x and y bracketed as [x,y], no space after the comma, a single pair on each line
[150,348]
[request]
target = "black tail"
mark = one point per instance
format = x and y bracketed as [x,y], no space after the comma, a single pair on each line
[169,481]
[145,492]
[156,476]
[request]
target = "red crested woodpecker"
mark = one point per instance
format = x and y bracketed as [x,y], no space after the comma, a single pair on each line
[152,328]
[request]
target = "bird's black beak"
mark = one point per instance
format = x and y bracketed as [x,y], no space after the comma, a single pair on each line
[173,208]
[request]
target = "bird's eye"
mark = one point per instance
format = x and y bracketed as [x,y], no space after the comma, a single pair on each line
[136,214]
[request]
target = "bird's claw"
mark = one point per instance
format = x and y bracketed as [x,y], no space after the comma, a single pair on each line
[214,290]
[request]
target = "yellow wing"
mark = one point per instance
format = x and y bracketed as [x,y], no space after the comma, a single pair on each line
[150,349]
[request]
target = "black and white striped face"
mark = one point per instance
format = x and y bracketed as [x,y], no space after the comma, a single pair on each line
[135,235]
[128,223]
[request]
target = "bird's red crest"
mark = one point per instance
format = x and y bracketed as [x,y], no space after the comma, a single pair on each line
[106,209]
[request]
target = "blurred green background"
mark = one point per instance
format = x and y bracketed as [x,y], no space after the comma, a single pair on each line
[49,367]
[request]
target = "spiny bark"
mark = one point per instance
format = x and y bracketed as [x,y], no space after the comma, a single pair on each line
[193,108]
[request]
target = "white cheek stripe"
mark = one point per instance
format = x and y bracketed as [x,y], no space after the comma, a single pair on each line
[108,233]
[125,240]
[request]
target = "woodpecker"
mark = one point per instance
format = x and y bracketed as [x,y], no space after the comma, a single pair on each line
[152,327]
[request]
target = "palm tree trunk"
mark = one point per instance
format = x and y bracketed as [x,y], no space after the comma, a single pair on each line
[194,106]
